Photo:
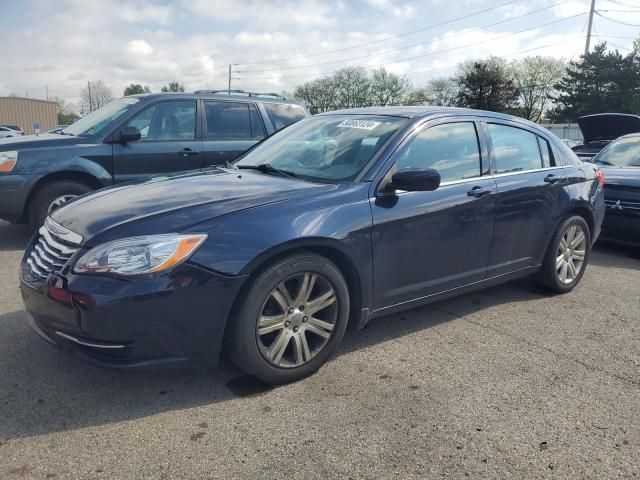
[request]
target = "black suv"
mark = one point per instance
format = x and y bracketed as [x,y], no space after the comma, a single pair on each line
[134,138]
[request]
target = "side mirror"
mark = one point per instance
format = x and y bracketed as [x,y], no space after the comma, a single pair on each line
[129,134]
[416,180]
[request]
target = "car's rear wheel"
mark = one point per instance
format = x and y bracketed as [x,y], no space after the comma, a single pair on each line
[291,319]
[567,256]
[52,196]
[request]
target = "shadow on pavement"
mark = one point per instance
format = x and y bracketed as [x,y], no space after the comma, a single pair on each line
[606,254]
[43,390]
[13,237]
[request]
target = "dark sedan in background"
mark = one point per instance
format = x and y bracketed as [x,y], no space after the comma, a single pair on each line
[134,138]
[601,129]
[620,162]
[339,218]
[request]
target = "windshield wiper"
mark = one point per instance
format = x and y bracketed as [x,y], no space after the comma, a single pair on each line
[603,162]
[267,168]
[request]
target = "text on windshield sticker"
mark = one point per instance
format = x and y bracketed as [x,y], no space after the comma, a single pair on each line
[363,124]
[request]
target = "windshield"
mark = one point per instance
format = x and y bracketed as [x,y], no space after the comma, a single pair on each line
[624,152]
[96,121]
[325,148]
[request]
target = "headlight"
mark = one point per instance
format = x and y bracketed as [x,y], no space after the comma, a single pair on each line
[139,255]
[8,160]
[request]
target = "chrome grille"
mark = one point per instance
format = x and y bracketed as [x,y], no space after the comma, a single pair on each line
[49,254]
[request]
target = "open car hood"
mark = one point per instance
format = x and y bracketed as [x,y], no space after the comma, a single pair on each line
[608,126]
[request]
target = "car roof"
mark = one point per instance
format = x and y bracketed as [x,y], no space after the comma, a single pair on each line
[242,97]
[426,111]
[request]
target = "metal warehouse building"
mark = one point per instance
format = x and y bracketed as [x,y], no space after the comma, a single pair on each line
[26,112]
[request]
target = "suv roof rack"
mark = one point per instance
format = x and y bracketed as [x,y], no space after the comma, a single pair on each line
[244,92]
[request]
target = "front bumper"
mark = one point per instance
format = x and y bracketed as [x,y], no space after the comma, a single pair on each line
[132,322]
[621,228]
[14,190]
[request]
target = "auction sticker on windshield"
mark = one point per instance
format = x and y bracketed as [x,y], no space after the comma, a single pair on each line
[363,124]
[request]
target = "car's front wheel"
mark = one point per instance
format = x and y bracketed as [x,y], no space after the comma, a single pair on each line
[567,256]
[291,319]
[52,196]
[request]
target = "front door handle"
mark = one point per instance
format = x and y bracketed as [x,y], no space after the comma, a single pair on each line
[551,178]
[479,191]
[187,152]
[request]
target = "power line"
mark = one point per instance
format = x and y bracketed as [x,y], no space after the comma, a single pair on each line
[617,21]
[391,37]
[618,2]
[381,52]
[615,36]
[433,53]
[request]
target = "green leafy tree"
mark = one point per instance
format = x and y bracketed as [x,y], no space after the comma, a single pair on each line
[487,85]
[603,81]
[136,89]
[173,87]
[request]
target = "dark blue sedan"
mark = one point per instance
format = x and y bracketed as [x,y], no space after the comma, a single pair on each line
[340,218]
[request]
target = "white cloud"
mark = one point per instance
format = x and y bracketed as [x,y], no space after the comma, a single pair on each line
[139,48]
[311,13]
[155,41]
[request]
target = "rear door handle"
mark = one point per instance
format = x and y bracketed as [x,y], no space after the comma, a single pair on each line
[551,178]
[187,152]
[479,191]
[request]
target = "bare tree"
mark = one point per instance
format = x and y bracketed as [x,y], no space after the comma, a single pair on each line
[96,95]
[388,88]
[66,115]
[319,95]
[173,87]
[442,91]
[535,77]
[354,86]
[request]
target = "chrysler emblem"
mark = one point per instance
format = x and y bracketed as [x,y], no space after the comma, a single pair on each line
[617,205]
[62,232]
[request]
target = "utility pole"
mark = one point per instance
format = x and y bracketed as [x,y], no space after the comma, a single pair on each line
[229,88]
[591,12]
[89,90]
[46,88]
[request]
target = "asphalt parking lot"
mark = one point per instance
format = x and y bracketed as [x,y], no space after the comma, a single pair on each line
[504,383]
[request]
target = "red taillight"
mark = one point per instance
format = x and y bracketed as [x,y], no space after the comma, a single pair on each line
[600,177]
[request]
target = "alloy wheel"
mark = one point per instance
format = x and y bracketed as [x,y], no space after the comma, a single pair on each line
[571,253]
[58,202]
[297,320]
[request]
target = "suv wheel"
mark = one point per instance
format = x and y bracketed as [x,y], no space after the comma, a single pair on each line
[52,196]
[567,256]
[291,320]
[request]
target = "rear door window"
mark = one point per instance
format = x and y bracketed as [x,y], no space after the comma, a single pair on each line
[514,149]
[232,120]
[450,148]
[283,115]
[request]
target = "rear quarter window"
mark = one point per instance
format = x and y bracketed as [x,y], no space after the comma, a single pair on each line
[283,115]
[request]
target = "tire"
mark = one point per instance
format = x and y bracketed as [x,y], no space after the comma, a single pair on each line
[551,272]
[41,201]
[257,353]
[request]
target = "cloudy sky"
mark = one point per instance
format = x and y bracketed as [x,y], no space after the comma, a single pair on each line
[276,44]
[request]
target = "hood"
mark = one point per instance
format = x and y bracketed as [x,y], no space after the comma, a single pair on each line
[621,176]
[37,141]
[608,126]
[172,204]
